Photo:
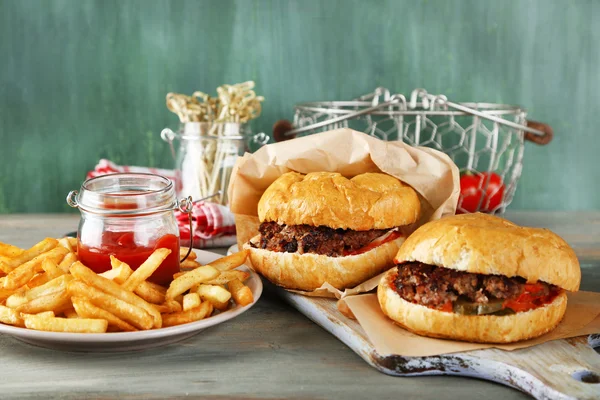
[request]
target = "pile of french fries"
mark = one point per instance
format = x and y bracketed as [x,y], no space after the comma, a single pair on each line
[47,288]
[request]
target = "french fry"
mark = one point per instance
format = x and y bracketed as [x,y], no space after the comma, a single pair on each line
[190,264]
[51,268]
[151,292]
[116,263]
[227,276]
[56,302]
[146,269]
[231,261]
[75,325]
[10,251]
[118,275]
[156,287]
[5,294]
[178,274]
[72,242]
[85,309]
[217,295]
[24,272]
[174,305]
[241,293]
[29,254]
[189,279]
[16,299]
[191,300]
[38,280]
[71,313]
[66,262]
[182,253]
[82,272]
[111,274]
[64,242]
[169,306]
[184,317]
[53,286]
[45,314]
[136,316]
[10,316]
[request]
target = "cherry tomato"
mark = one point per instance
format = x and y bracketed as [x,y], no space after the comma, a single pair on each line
[471,192]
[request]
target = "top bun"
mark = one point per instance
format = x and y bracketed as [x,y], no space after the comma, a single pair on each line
[367,201]
[484,244]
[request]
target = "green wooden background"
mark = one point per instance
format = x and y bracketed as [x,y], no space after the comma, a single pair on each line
[81,80]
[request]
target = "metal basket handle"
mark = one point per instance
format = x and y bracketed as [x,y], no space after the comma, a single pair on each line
[535,132]
[281,131]
[539,139]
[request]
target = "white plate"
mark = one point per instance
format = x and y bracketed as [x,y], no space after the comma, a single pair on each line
[233,249]
[127,341]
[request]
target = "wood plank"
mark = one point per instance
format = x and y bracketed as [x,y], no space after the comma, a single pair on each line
[543,371]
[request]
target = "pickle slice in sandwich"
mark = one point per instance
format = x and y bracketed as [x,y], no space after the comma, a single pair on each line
[470,308]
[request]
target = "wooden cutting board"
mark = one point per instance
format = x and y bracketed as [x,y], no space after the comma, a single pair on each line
[560,369]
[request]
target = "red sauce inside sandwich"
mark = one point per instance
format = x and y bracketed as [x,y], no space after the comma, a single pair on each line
[469,293]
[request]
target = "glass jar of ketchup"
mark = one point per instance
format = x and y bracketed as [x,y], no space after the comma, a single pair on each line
[128,216]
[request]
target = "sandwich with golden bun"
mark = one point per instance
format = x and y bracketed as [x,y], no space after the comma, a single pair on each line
[480,278]
[323,227]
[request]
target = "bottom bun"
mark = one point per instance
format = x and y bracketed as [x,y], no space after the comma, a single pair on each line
[471,328]
[310,271]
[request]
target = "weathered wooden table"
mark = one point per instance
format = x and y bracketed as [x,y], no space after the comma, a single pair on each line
[271,351]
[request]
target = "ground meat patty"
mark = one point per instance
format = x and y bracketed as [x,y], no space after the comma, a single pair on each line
[435,286]
[313,239]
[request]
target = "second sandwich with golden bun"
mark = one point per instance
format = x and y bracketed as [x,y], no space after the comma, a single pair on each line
[480,278]
[323,227]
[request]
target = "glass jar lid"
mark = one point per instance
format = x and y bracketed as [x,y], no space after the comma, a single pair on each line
[125,194]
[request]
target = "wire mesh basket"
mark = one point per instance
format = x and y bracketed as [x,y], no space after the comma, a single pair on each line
[485,140]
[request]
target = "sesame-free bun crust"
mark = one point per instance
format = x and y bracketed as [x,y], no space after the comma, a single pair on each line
[485,244]
[309,271]
[367,201]
[426,321]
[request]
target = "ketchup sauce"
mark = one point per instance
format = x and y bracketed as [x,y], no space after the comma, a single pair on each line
[122,246]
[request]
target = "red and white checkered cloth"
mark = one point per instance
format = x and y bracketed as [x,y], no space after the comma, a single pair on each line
[214,225]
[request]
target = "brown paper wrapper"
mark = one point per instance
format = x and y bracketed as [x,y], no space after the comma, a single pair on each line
[430,172]
[581,318]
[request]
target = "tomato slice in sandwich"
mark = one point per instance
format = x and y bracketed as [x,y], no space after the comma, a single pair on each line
[388,237]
